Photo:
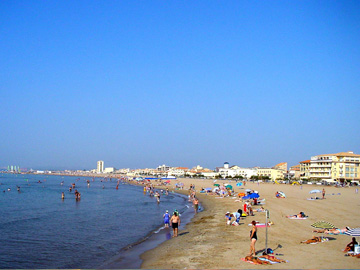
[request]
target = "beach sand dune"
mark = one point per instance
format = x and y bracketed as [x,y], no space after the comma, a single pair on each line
[207,242]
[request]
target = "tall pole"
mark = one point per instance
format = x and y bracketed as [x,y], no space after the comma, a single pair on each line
[266,227]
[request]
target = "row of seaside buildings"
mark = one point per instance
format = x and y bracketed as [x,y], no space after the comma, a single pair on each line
[343,166]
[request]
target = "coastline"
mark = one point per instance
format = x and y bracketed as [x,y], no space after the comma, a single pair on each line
[129,257]
[208,243]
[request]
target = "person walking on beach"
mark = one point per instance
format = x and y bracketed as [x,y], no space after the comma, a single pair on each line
[196,204]
[175,223]
[323,193]
[253,238]
[166,217]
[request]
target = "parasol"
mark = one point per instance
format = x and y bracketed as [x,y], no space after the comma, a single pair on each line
[323,225]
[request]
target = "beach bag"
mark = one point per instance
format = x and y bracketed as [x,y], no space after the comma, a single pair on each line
[356,249]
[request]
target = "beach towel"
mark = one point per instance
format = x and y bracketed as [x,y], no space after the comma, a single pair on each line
[267,260]
[243,259]
[270,261]
[260,225]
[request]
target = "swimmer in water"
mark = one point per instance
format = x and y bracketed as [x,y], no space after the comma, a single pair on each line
[62,195]
[157,195]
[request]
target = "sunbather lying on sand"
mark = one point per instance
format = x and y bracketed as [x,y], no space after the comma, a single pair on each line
[300,215]
[255,260]
[272,258]
[315,239]
[261,209]
[332,231]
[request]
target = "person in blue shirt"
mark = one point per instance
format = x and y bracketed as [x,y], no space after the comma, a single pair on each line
[237,215]
[166,217]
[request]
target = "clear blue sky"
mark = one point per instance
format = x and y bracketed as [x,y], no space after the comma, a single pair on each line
[142,83]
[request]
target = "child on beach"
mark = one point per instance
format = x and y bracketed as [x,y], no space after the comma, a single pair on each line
[228,217]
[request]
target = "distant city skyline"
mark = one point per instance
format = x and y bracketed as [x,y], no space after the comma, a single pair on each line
[139,84]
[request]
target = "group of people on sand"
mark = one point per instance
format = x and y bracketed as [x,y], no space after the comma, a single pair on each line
[237,215]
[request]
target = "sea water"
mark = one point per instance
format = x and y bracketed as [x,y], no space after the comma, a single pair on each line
[40,230]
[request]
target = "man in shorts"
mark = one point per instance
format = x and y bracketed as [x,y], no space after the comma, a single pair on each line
[175,223]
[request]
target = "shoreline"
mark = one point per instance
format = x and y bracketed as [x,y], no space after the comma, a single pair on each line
[129,257]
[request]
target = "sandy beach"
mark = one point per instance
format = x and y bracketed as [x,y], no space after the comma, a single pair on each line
[207,242]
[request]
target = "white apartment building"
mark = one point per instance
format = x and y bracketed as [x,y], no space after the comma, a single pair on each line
[163,168]
[100,166]
[178,171]
[233,171]
[109,170]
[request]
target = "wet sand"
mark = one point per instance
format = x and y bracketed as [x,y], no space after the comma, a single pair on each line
[207,242]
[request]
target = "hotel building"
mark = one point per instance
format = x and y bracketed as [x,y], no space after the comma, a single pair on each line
[335,167]
[305,169]
[272,173]
[100,166]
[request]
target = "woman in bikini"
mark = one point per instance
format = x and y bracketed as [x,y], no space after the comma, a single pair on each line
[332,231]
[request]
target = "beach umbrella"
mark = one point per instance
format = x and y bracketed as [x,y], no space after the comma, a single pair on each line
[322,225]
[246,197]
[215,189]
[353,232]
[216,185]
[247,190]
[167,181]
[239,184]
[253,195]
[209,188]
[315,191]
[229,186]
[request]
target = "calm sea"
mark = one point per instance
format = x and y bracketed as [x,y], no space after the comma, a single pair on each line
[40,230]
